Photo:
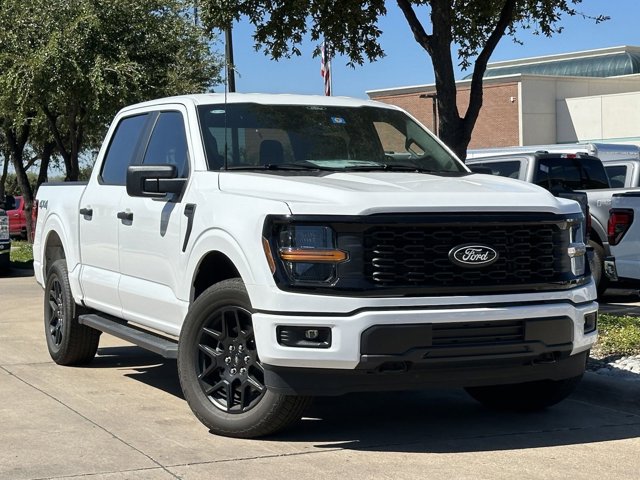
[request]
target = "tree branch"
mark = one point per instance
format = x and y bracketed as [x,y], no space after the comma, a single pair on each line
[419,33]
[57,136]
[480,67]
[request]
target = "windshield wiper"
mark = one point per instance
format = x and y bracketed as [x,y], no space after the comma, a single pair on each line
[397,167]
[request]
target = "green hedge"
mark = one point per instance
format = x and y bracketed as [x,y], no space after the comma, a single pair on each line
[618,335]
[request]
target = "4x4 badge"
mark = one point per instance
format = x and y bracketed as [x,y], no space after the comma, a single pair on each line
[472,255]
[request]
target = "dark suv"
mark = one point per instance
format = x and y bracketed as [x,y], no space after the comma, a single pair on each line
[5,241]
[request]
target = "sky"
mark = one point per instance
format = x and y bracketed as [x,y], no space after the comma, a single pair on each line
[406,63]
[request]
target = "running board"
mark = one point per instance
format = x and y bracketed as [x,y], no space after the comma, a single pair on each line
[153,342]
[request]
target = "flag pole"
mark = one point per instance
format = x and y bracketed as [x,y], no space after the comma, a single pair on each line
[325,68]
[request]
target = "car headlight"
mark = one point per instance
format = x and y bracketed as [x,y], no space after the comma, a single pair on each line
[308,253]
[4,228]
[577,250]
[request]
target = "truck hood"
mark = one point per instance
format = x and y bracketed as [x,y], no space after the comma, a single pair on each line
[365,193]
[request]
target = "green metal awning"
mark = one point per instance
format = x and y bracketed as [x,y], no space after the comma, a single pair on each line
[610,65]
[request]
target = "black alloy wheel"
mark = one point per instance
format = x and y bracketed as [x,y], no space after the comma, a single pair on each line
[56,312]
[220,371]
[227,366]
[68,341]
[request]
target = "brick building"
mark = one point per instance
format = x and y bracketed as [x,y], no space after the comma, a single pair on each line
[575,97]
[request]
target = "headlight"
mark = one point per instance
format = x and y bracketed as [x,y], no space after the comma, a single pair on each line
[307,252]
[577,249]
[4,228]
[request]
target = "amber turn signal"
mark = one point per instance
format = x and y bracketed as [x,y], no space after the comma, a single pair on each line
[312,255]
[267,252]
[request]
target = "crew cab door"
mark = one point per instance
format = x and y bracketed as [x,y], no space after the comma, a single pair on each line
[98,221]
[151,231]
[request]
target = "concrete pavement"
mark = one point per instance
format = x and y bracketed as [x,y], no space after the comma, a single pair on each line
[123,417]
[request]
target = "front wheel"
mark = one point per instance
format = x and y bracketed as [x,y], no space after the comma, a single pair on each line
[525,397]
[4,262]
[220,373]
[69,342]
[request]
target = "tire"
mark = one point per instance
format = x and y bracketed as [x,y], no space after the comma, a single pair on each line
[4,262]
[220,373]
[69,342]
[597,267]
[525,397]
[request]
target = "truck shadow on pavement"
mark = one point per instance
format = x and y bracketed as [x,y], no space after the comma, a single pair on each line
[25,270]
[447,421]
[146,367]
[436,420]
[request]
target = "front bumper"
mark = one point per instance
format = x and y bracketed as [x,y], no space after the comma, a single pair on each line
[323,382]
[462,344]
[347,330]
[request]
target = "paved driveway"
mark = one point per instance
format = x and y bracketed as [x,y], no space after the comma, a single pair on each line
[123,417]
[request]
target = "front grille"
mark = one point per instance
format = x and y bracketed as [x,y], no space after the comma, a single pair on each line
[418,255]
[459,339]
[477,333]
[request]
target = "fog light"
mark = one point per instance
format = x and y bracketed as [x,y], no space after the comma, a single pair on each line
[590,322]
[304,337]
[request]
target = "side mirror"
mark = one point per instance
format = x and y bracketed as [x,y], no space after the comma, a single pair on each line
[154,181]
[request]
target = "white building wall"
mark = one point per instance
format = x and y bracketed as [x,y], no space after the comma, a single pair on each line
[604,117]
[573,109]
[538,110]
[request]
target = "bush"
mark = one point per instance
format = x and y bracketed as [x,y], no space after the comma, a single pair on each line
[21,253]
[618,335]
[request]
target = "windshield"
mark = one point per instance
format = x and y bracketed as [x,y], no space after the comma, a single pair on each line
[309,137]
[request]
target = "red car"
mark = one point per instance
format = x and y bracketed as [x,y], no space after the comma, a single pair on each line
[17,219]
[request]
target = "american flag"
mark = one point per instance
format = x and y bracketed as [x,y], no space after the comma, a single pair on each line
[325,69]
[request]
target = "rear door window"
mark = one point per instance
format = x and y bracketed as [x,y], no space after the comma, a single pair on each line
[617,175]
[561,174]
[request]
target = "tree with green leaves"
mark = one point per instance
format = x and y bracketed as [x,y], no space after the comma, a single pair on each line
[472,27]
[73,64]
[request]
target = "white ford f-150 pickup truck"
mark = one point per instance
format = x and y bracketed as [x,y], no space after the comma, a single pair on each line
[283,246]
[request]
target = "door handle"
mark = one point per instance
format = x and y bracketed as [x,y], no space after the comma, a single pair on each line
[87,212]
[128,216]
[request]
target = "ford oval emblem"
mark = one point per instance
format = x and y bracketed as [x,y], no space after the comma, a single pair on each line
[472,255]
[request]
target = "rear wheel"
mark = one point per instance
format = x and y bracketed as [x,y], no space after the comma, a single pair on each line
[220,373]
[69,342]
[525,397]
[597,267]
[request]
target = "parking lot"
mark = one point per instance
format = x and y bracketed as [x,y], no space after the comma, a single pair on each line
[123,417]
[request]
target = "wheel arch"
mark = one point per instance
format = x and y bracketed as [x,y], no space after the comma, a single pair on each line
[217,256]
[213,268]
[598,234]
[53,250]
[56,246]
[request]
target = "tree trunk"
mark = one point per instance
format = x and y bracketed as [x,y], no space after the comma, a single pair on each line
[71,173]
[45,159]
[455,131]
[3,179]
